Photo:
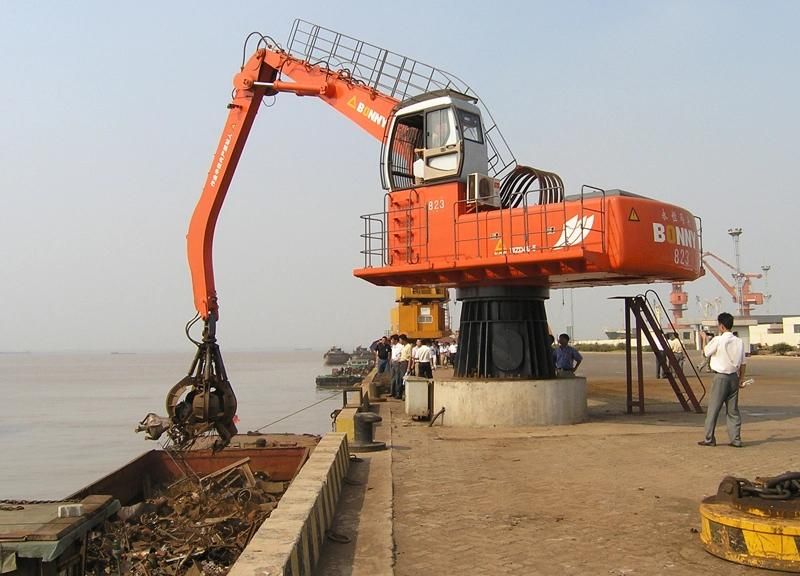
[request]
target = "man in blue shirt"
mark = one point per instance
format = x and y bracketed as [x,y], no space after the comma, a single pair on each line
[567,359]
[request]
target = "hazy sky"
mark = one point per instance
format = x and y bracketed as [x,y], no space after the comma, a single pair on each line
[110,113]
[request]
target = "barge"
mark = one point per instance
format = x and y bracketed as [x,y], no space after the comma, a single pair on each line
[130,522]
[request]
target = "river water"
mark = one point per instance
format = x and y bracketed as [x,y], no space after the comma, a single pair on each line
[68,419]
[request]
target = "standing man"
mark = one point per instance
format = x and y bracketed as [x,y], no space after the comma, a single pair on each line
[677,348]
[567,359]
[660,359]
[397,350]
[424,360]
[403,365]
[382,353]
[726,359]
[412,369]
[452,352]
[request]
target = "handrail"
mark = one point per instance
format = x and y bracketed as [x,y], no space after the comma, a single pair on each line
[675,330]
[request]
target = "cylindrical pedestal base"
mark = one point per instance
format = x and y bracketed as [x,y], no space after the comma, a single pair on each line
[503,333]
[507,403]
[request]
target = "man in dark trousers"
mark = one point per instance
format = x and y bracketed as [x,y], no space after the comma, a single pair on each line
[726,359]
[382,353]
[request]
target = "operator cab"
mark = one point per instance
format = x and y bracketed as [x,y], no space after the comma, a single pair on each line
[434,138]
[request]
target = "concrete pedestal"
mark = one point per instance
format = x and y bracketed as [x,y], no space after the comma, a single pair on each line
[476,403]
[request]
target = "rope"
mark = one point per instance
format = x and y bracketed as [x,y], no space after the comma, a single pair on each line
[298,411]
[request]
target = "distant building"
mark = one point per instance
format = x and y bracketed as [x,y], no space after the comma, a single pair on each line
[772,330]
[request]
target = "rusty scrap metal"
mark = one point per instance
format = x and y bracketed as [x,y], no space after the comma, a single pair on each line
[196,527]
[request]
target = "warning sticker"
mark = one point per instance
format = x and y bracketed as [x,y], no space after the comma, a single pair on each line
[499,248]
[633,216]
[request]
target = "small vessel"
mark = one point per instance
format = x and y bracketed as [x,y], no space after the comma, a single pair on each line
[336,356]
[337,379]
[352,373]
[362,353]
[612,334]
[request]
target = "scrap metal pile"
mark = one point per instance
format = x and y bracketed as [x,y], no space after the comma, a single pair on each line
[195,526]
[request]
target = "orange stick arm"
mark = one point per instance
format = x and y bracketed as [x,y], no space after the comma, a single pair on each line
[364,106]
[200,239]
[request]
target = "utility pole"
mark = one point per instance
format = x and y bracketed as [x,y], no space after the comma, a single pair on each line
[767,296]
[735,233]
[571,330]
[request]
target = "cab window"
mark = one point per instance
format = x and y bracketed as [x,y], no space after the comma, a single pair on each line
[471,126]
[440,128]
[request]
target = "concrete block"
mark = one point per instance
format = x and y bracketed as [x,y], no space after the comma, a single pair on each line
[506,403]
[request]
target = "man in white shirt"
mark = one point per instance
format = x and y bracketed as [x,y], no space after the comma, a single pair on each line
[412,368]
[726,359]
[452,351]
[397,377]
[423,360]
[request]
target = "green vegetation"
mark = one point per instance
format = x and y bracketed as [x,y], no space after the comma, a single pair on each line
[600,347]
[781,348]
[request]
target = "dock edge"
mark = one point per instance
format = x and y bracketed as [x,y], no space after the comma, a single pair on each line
[289,542]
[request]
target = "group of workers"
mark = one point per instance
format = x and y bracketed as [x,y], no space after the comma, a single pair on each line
[396,355]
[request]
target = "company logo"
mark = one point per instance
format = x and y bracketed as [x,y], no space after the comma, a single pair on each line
[221,160]
[576,229]
[677,235]
[365,110]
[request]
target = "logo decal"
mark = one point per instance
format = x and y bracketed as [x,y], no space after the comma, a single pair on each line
[221,160]
[576,229]
[365,110]
[670,234]
[633,216]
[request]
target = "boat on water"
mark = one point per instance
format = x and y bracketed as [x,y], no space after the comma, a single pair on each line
[352,373]
[335,380]
[336,356]
[362,353]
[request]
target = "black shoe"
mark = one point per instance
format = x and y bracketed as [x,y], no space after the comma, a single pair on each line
[736,445]
[707,443]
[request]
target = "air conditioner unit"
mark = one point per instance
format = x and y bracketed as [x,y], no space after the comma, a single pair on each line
[483,190]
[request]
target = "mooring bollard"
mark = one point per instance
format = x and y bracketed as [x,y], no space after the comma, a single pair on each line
[364,423]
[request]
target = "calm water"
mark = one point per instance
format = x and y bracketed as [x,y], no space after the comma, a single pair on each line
[68,419]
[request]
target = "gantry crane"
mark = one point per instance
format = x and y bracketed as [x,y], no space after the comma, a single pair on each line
[458,211]
[749,298]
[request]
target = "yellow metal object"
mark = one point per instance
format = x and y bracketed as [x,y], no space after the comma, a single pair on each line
[420,312]
[420,293]
[749,537]
[344,423]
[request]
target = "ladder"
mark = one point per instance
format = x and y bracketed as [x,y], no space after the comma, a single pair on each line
[640,320]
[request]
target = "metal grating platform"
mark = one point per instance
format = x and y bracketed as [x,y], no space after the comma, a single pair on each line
[392,74]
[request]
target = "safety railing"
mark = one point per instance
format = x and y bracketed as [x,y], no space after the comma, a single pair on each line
[658,310]
[393,74]
[486,229]
[374,238]
[496,231]
[408,243]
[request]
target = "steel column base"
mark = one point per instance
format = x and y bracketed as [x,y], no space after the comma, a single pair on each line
[504,333]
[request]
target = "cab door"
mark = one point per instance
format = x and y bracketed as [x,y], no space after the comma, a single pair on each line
[443,150]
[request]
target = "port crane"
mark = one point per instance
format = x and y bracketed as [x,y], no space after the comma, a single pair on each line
[458,211]
[749,298]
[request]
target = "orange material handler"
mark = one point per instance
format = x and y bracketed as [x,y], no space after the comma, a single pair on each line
[458,211]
